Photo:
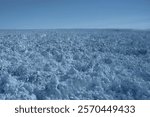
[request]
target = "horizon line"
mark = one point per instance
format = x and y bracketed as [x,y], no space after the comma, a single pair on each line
[74,28]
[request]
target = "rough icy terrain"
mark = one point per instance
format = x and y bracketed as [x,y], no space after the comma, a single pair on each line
[74,64]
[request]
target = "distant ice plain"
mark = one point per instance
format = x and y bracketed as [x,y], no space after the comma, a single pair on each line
[74,64]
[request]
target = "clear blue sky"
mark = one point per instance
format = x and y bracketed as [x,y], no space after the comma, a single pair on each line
[48,14]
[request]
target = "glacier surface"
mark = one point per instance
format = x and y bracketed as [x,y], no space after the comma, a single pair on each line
[74,64]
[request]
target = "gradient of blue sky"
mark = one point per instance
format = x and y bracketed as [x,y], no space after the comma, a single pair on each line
[47,14]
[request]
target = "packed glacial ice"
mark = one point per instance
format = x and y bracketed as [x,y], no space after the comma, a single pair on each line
[74,64]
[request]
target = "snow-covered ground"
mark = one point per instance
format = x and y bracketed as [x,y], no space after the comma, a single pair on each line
[74,64]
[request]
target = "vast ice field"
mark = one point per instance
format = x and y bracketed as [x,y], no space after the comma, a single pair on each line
[74,64]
